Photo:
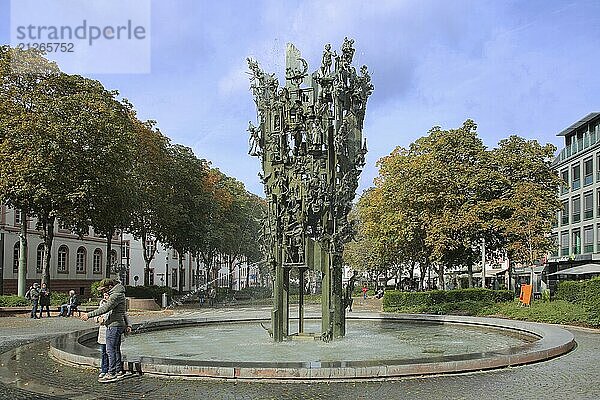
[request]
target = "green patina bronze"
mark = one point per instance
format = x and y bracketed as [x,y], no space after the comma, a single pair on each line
[309,138]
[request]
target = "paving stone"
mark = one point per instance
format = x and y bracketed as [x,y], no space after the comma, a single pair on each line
[572,376]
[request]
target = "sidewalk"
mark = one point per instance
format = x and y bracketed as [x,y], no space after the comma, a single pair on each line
[34,375]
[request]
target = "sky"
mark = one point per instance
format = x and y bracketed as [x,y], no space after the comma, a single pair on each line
[515,67]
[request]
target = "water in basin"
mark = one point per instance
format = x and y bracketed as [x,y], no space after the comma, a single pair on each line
[365,340]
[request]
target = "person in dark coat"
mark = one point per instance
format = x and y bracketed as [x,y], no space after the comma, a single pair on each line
[44,300]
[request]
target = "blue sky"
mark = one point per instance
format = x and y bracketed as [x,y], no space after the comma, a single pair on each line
[515,67]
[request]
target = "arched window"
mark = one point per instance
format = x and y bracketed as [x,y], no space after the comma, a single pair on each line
[80,260]
[39,262]
[63,259]
[16,254]
[97,263]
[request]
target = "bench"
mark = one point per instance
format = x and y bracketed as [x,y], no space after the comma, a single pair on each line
[79,309]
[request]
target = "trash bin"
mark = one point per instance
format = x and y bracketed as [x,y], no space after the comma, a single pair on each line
[165,300]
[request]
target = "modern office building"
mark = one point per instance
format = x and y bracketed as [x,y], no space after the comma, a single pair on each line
[576,232]
[76,262]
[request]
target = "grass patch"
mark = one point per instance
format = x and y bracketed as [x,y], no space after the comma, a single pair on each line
[554,312]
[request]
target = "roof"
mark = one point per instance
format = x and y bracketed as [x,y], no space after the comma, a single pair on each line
[579,270]
[578,124]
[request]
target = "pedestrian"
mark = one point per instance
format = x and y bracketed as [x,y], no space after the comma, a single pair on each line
[201,297]
[364,290]
[67,309]
[101,319]
[33,294]
[212,297]
[349,290]
[44,300]
[116,324]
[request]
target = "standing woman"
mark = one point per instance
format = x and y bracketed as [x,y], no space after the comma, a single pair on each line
[116,324]
[44,300]
[101,319]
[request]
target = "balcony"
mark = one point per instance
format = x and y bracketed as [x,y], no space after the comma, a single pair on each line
[590,138]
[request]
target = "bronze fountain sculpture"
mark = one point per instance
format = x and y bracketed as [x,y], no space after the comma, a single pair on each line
[309,139]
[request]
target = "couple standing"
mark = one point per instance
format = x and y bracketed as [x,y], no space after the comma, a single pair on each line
[112,314]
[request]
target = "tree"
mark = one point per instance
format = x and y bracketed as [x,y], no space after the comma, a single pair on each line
[210,241]
[189,202]
[529,200]
[241,223]
[25,86]
[148,187]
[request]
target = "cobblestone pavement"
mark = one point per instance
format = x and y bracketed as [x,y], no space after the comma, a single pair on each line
[36,376]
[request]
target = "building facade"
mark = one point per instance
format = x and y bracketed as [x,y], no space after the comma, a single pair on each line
[576,231]
[76,262]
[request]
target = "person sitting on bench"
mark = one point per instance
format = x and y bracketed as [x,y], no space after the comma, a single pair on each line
[66,310]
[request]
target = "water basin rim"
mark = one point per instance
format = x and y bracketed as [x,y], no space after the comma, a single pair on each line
[553,338]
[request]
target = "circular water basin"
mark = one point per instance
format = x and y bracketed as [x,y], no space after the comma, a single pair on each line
[365,340]
[376,346]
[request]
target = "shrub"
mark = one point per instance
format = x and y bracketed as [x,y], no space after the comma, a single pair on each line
[58,298]
[148,292]
[444,301]
[256,292]
[13,301]
[583,293]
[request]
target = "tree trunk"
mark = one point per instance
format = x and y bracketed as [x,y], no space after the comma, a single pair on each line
[247,273]
[48,221]
[109,254]
[230,261]
[441,281]
[180,262]
[470,272]
[22,272]
[198,283]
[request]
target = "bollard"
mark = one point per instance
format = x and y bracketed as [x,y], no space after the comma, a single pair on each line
[165,301]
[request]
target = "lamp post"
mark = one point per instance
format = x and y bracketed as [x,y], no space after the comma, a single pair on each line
[167,271]
[483,263]
[1,260]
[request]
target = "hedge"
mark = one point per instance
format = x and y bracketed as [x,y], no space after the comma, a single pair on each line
[148,292]
[56,299]
[584,293]
[443,301]
[14,301]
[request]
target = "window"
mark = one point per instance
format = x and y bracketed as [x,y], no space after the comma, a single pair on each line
[564,243]
[62,226]
[564,188]
[576,215]
[182,276]
[16,255]
[150,248]
[80,260]
[125,249]
[588,205]
[588,172]
[576,184]
[174,277]
[17,217]
[555,248]
[97,262]
[175,255]
[565,213]
[576,243]
[588,239]
[39,263]
[151,276]
[63,259]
